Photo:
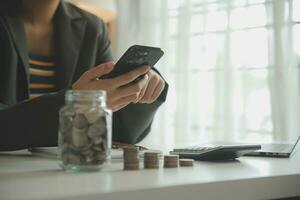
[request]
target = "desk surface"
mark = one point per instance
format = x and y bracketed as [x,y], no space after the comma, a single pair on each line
[24,176]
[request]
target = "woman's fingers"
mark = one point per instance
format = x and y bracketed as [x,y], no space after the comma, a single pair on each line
[119,103]
[142,93]
[135,88]
[128,99]
[121,90]
[119,107]
[129,77]
[125,95]
[98,71]
[160,87]
[150,89]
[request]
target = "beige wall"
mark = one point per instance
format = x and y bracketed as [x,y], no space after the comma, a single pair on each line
[104,9]
[108,4]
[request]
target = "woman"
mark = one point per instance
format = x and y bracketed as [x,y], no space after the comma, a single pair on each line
[48,46]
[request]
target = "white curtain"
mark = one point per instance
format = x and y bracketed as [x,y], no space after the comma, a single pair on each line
[232,67]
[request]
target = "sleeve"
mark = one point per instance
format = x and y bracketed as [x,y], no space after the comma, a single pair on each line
[2,106]
[29,124]
[132,123]
[104,53]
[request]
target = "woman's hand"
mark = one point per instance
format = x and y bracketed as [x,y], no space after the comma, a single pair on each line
[117,96]
[154,86]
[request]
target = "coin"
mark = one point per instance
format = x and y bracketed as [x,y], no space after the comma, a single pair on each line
[95,131]
[171,161]
[151,159]
[186,162]
[131,166]
[88,142]
[80,121]
[131,158]
[79,137]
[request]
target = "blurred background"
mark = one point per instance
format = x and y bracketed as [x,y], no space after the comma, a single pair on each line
[232,65]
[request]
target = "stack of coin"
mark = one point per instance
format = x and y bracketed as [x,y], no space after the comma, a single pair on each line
[171,161]
[131,158]
[186,162]
[151,160]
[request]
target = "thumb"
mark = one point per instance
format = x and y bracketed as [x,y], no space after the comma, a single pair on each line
[99,71]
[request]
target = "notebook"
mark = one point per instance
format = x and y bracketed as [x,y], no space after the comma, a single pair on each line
[283,150]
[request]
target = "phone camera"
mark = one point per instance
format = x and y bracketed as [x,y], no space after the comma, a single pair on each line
[145,53]
[141,60]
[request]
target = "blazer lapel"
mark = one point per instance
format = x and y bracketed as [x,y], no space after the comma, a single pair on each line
[69,28]
[17,31]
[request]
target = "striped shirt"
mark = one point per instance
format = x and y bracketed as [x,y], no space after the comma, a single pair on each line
[42,75]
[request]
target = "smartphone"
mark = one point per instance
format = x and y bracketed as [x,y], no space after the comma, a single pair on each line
[135,56]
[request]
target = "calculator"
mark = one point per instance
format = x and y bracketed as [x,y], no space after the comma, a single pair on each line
[215,152]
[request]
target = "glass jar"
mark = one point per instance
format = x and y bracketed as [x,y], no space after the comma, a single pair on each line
[85,131]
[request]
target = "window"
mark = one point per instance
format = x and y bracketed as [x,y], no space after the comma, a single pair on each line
[232,66]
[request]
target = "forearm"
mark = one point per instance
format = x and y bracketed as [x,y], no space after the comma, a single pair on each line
[2,106]
[31,123]
[133,123]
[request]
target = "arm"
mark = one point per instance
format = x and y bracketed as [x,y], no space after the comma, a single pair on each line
[29,124]
[2,106]
[132,123]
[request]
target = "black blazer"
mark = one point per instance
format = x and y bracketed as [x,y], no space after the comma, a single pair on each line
[81,42]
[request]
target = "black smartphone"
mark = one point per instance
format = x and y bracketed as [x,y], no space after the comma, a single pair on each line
[135,56]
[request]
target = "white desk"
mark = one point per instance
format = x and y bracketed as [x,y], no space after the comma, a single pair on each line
[34,178]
